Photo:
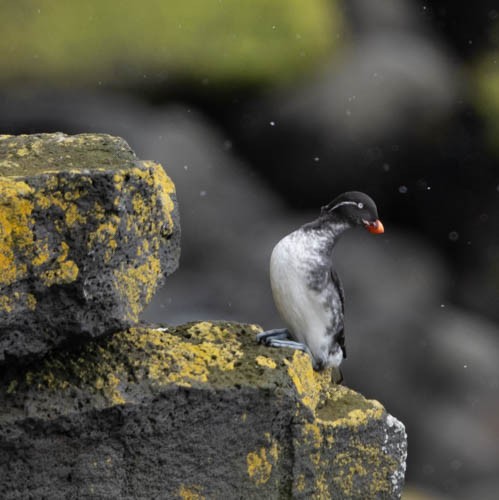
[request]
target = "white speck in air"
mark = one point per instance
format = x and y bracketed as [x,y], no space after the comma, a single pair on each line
[403,189]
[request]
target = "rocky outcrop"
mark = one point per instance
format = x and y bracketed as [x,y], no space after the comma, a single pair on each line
[94,404]
[197,411]
[87,234]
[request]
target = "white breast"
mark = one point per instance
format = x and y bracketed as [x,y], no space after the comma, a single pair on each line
[305,311]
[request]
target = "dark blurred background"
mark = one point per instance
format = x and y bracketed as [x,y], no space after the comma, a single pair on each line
[261,112]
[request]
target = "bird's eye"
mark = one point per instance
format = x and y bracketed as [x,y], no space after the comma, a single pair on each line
[360,205]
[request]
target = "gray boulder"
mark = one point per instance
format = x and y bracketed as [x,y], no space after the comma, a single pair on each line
[87,234]
[196,411]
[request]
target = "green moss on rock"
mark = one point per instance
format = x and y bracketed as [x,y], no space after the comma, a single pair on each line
[88,233]
[203,402]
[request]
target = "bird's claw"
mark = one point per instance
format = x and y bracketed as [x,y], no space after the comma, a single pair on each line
[281,338]
[276,334]
[337,376]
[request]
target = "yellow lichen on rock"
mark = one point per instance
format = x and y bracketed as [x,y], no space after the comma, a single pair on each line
[190,492]
[184,362]
[259,463]
[214,375]
[167,188]
[137,283]
[300,483]
[73,216]
[357,464]
[70,204]
[266,362]
[65,270]
[153,175]
[359,417]
[330,410]
[157,355]
[312,434]
[16,237]
[105,235]
[309,383]
[5,303]
[259,468]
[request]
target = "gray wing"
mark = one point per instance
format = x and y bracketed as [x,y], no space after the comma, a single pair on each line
[340,336]
[336,280]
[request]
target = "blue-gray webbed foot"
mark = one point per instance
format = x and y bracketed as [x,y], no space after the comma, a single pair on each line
[276,334]
[291,344]
[280,337]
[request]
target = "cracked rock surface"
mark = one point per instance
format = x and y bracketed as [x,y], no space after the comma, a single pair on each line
[194,411]
[87,234]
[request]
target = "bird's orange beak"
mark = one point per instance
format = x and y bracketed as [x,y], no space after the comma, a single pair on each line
[375,227]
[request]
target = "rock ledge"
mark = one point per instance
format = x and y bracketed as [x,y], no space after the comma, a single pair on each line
[195,411]
[87,234]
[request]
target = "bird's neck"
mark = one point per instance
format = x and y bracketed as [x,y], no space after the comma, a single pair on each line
[327,231]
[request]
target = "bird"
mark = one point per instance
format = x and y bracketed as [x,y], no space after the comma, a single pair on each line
[307,291]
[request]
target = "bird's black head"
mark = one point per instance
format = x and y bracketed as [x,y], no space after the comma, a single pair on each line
[356,209]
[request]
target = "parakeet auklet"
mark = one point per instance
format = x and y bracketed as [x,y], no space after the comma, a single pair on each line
[307,291]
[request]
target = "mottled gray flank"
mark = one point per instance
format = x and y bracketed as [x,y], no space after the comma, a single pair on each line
[318,239]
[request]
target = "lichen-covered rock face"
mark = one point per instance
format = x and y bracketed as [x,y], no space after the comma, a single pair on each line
[197,411]
[87,234]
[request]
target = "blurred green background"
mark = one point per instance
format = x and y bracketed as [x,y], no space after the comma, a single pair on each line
[121,43]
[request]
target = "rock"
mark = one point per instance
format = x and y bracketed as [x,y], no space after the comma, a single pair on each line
[235,276]
[196,411]
[88,232]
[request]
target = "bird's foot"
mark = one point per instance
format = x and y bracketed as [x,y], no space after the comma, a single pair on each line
[291,344]
[276,334]
[337,376]
[280,337]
